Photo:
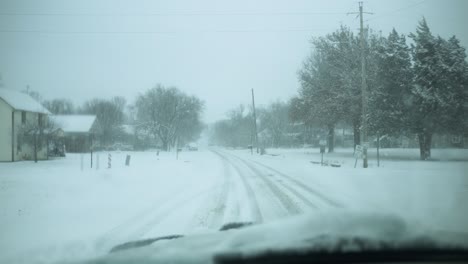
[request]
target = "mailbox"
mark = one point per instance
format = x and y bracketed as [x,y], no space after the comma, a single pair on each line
[322,149]
[322,144]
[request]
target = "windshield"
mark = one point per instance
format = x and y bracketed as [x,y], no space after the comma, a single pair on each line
[140,120]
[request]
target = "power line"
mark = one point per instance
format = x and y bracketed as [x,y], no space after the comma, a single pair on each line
[185,14]
[397,10]
[163,32]
[292,13]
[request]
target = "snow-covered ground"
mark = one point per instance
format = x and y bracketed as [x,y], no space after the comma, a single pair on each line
[60,209]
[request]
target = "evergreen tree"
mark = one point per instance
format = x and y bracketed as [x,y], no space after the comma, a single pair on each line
[453,77]
[329,82]
[390,86]
[439,91]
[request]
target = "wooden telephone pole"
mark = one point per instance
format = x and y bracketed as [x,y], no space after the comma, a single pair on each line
[364,140]
[255,121]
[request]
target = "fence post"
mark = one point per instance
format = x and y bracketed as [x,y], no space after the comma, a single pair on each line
[109,161]
[127,161]
[97,161]
[81,161]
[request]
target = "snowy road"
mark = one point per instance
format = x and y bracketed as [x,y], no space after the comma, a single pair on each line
[243,191]
[278,193]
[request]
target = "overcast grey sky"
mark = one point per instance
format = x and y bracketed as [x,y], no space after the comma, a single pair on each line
[216,50]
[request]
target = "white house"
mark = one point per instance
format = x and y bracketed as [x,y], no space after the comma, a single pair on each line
[19,111]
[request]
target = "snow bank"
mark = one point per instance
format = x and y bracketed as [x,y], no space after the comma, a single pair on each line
[53,207]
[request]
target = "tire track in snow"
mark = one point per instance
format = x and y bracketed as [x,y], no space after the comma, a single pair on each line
[298,195]
[136,227]
[212,215]
[220,207]
[129,223]
[300,184]
[255,209]
[286,201]
[232,213]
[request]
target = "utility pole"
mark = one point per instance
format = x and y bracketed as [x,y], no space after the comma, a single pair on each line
[364,140]
[363,91]
[255,121]
[177,148]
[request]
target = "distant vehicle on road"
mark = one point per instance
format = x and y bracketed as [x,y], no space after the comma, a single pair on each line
[192,147]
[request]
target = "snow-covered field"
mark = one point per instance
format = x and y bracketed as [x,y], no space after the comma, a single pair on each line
[57,209]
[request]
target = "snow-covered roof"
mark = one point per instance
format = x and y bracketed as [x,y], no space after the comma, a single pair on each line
[22,101]
[74,123]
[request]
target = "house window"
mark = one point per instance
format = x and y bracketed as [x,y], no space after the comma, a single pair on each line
[19,143]
[40,120]
[23,117]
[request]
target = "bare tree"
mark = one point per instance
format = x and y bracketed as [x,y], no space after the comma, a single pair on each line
[60,106]
[170,115]
[110,116]
[236,130]
[36,133]
[274,123]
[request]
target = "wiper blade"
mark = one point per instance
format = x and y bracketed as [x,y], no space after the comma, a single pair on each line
[235,225]
[141,243]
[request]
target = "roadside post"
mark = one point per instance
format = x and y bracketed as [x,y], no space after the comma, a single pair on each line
[97,161]
[127,160]
[109,161]
[365,156]
[378,150]
[81,163]
[322,144]
[91,149]
[177,148]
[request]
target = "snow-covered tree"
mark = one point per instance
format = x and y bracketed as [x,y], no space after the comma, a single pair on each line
[274,123]
[455,78]
[236,130]
[390,85]
[109,116]
[422,89]
[440,82]
[330,83]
